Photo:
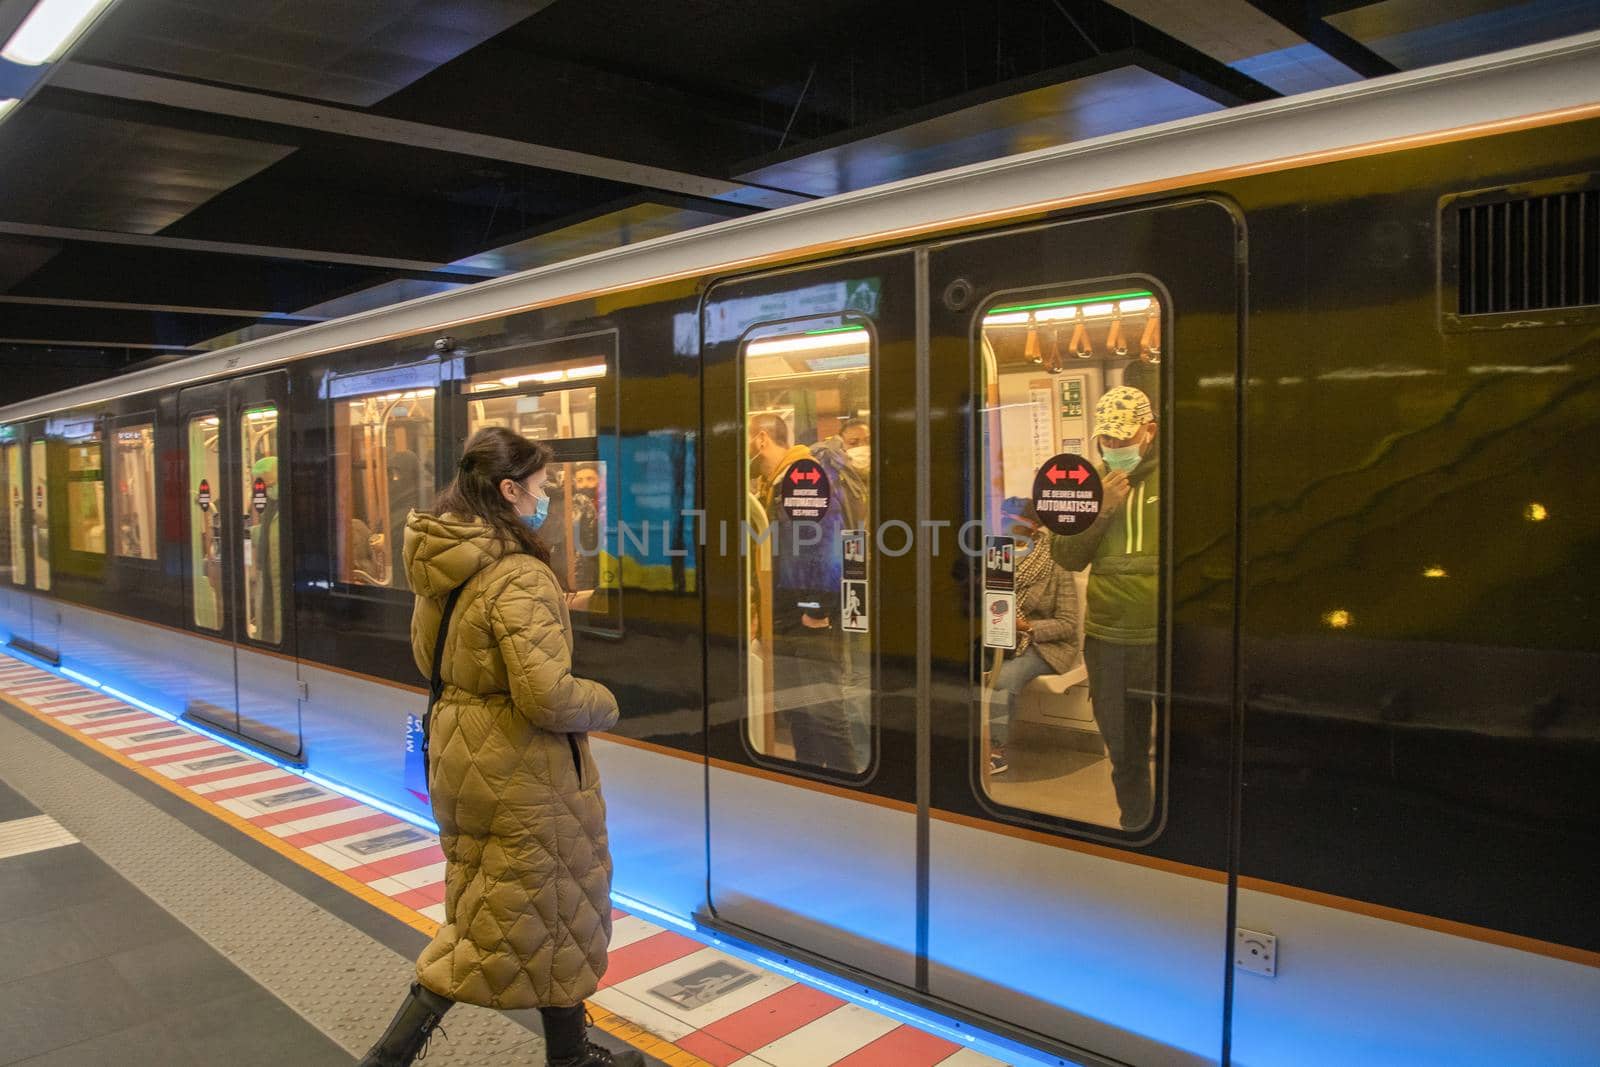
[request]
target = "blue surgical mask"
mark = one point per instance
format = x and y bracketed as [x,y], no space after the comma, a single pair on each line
[541,509]
[1121,459]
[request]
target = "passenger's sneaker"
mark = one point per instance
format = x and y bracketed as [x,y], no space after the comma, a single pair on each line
[997,761]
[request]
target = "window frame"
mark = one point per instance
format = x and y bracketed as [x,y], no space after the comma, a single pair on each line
[13,442]
[241,410]
[136,419]
[220,495]
[976,756]
[769,329]
[602,448]
[357,381]
[77,562]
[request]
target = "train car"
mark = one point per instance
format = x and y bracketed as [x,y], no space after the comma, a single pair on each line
[1366,321]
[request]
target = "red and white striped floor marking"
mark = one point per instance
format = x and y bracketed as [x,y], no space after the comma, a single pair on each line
[772,1021]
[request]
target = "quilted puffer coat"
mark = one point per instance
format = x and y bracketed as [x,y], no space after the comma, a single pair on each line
[514,789]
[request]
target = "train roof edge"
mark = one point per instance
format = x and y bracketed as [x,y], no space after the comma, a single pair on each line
[1538,79]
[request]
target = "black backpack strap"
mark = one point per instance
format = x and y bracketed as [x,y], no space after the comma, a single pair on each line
[436,683]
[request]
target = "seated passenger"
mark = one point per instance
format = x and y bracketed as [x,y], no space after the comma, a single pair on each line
[1047,622]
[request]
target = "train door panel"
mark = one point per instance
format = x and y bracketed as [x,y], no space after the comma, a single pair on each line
[268,680]
[207,574]
[1082,381]
[810,636]
[236,588]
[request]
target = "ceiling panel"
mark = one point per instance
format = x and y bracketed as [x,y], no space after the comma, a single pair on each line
[352,52]
[1237,33]
[106,174]
[1419,33]
[1107,102]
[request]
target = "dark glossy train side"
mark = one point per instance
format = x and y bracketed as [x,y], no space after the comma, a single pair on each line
[1393,704]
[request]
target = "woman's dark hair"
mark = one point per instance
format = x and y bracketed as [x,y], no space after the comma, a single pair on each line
[491,456]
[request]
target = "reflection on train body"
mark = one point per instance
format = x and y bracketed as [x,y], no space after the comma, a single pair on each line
[1067,716]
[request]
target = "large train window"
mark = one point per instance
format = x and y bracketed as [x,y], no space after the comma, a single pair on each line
[383,469]
[1066,690]
[263,562]
[808,418]
[38,460]
[16,503]
[558,401]
[86,490]
[133,478]
[205,520]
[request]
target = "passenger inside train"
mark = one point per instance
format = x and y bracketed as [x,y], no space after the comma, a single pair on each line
[807,397]
[1067,713]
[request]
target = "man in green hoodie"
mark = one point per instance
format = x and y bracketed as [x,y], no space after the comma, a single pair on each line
[1122,550]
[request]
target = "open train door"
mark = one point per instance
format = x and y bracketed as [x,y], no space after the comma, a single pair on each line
[1081,686]
[238,563]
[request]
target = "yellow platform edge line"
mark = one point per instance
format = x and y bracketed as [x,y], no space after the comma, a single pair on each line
[611,1023]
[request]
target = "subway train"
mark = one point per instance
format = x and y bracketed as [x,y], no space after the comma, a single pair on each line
[1367,321]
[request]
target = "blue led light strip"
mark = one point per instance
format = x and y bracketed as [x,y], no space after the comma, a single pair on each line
[988,1044]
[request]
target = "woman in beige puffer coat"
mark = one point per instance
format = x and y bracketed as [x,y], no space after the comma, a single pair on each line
[513,786]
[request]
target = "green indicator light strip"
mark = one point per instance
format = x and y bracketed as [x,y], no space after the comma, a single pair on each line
[1134,295]
[836,329]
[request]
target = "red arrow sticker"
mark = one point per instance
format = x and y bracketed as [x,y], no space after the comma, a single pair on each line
[806,492]
[1067,494]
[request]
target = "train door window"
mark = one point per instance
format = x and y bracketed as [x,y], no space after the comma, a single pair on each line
[559,403]
[38,460]
[204,434]
[133,479]
[808,416]
[383,469]
[16,505]
[86,490]
[258,488]
[1067,696]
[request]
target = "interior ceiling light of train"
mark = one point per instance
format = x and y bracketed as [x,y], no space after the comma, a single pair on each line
[200,175]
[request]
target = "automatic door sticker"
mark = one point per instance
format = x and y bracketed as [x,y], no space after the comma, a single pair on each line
[853,581]
[806,491]
[203,496]
[1067,494]
[258,495]
[999,619]
[999,563]
[853,606]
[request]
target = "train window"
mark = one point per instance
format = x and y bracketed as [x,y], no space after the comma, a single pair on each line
[1066,706]
[133,474]
[38,459]
[807,397]
[550,402]
[383,469]
[263,555]
[205,521]
[86,493]
[16,497]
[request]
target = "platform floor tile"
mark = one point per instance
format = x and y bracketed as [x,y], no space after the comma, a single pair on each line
[668,993]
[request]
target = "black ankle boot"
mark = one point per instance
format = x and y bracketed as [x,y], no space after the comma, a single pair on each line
[407,1036]
[566,1028]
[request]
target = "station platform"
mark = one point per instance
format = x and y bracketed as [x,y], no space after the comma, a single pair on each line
[230,909]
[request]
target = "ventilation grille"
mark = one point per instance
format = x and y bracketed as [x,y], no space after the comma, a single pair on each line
[1525,255]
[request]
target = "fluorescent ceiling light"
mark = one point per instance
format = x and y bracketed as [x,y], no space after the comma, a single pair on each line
[7,105]
[49,29]
[807,343]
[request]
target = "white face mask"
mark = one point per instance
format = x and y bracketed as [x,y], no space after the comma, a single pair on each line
[860,457]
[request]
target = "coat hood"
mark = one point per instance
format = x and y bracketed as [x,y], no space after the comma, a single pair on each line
[443,551]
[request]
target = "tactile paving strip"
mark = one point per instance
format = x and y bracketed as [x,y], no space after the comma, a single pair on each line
[674,997]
